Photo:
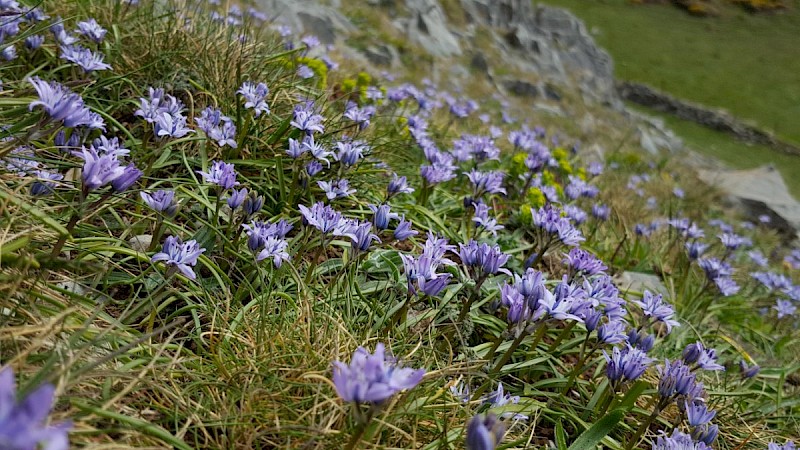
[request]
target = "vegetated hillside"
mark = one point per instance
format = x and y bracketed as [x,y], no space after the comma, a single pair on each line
[217,234]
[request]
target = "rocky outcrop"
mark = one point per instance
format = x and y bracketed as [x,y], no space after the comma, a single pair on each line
[760,191]
[551,41]
[715,119]
[547,42]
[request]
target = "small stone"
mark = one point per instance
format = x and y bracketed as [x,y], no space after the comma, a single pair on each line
[141,242]
[521,88]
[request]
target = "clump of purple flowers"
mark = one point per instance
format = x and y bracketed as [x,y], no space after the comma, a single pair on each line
[422,270]
[84,58]
[555,228]
[654,307]
[626,364]
[336,189]
[222,174]
[165,112]
[582,262]
[255,96]
[162,201]
[678,441]
[179,256]
[217,126]
[63,105]
[91,29]
[372,378]
[482,259]
[306,119]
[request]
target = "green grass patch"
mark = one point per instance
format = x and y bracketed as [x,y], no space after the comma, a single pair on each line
[734,153]
[748,64]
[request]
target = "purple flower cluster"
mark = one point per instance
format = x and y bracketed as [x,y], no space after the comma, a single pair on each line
[482,259]
[548,218]
[719,272]
[499,398]
[361,116]
[217,126]
[584,263]
[678,441]
[677,379]
[706,358]
[372,378]
[324,218]
[305,119]
[398,185]
[470,147]
[654,307]
[268,239]
[789,445]
[102,166]
[255,97]
[84,58]
[421,272]
[485,433]
[91,29]
[350,152]
[179,255]
[486,182]
[165,112]
[162,201]
[63,105]
[336,189]
[222,174]
[626,364]
[482,219]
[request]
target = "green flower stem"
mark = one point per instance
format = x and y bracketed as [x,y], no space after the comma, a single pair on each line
[466,305]
[361,428]
[644,427]
[540,255]
[607,399]
[156,234]
[314,262]
[500,338]
[561,336]
[507,355]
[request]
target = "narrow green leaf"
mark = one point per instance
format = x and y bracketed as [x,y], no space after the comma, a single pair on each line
[589,439]
[561,437]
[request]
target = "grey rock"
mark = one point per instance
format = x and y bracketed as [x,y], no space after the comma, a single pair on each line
[654,137]
[427,27]
[637,281]
[479,63]
[646,141]
[551,92]
[553,110]
[141,242]
[381,55]
[588,124]
[757,191]
[521,88]
[310,17]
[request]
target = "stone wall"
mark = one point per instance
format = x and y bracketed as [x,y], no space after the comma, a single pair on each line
[715,119]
